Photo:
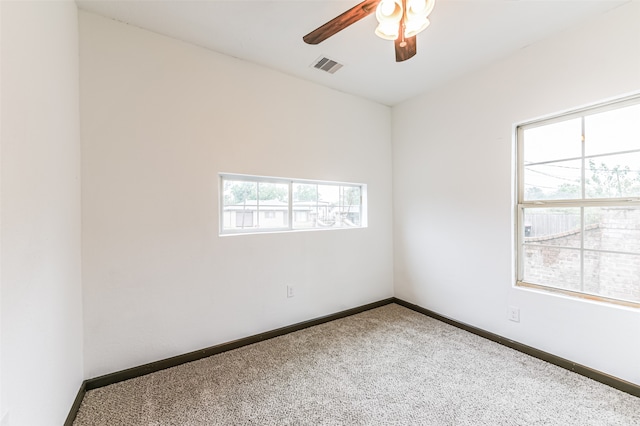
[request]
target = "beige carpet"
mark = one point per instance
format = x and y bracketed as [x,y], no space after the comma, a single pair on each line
[387,366]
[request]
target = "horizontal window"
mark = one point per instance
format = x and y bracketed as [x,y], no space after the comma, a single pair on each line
[578,211]
[266,204]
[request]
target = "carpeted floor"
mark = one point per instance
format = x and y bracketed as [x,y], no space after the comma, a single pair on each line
[387,366]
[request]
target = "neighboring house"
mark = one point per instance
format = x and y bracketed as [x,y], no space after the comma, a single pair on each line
[274,214]
[268,213]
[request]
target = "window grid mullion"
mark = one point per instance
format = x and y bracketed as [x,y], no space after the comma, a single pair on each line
[584,196]
[560,160]
[258,205]
[290,221]
[520,208]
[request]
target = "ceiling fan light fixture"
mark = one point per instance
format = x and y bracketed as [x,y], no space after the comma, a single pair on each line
[389,11]
[387,8]
[389,14]
[419,8]
[398,20]
[415,26]
[411,15]
[388,31]
[416,15]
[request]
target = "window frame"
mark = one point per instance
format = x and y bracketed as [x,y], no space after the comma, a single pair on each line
[290,207]
[583,202]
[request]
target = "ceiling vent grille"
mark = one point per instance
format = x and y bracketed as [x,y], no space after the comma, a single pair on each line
[325,64]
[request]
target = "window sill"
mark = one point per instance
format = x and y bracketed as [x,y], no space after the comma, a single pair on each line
[285,231]
[578,295]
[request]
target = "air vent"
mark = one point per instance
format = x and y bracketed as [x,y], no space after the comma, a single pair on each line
[325,64]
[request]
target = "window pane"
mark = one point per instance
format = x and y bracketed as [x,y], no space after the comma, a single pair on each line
[304,216]
[553,226]
[239,204]
[237,192]
[553,142]
[326,206]
[613,176]
[552,266]
[350,206]
[305,205]
[329,194]
[328,202]
[244,219]
[305,192]
[273,205]
[613,131]
[612,275]
[613,229]
[553,181]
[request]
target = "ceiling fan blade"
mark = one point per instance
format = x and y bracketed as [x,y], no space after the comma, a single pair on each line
[341,22]
[405,49]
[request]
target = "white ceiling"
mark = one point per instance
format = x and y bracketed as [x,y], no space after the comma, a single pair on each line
[463,36]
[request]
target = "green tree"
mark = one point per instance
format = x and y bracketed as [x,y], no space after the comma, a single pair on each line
[351,195]
[305,192]
[567,191]
[617,181]
[534,193]
[237,192]
[273,191]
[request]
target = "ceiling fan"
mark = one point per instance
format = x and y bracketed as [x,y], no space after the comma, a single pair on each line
[399,20]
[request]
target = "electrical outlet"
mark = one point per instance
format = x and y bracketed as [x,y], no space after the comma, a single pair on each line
[513,314]
[289,291]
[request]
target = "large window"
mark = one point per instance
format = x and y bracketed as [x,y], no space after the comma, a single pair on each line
[578,211]
[266,204]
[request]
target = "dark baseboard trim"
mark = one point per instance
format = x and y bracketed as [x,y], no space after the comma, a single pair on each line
[76,405]
[152,367]
[596,375]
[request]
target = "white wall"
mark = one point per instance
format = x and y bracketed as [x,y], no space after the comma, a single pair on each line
[159,120]
[40,196]
[452,173]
